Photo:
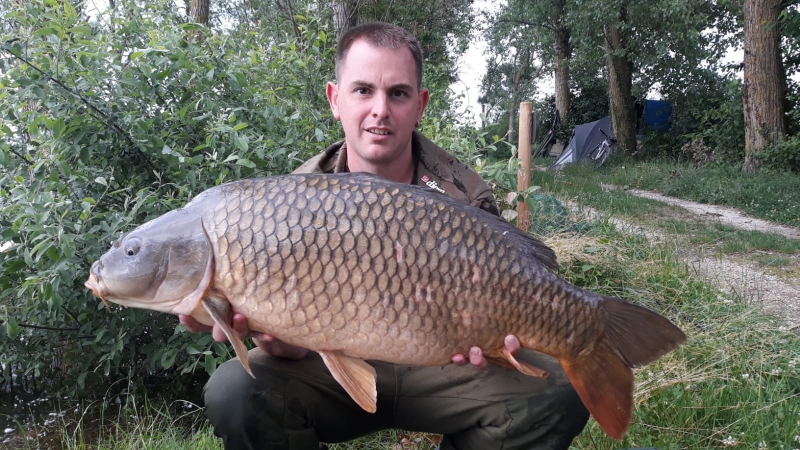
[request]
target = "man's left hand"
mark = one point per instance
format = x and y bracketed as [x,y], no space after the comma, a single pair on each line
[476,357]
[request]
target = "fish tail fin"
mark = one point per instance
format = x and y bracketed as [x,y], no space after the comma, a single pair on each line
[603,378]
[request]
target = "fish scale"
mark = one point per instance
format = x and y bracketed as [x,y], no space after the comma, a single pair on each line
[357,267]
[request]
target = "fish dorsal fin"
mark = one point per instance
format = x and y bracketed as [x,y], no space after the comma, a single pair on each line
[220,311]
[356,377]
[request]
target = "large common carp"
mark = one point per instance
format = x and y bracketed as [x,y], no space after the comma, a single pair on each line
[357,267]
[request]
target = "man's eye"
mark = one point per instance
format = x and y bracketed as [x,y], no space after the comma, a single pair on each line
[361,91]
[399,93]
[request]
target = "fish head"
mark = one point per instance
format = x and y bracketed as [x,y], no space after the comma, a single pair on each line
[164,265]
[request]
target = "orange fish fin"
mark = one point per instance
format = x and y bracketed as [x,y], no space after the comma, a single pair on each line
[604,383]
[526,368]
[219,310]
[603,378]
[356,377]
[639,336]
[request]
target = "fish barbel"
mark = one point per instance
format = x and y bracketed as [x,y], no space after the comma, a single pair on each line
[357,267]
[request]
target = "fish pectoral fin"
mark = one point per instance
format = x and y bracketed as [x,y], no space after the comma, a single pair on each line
[356,377]
[219,310]
[508,360]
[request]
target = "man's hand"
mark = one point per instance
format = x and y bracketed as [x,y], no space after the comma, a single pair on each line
[476,355]
[266,342]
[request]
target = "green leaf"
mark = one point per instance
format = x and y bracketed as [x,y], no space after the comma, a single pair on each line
[246,162]
[210,75]
[101,180]
[319,134]
[45,31]
[81,29]
[211,364]
[239,126]
[12,328]
[58,128]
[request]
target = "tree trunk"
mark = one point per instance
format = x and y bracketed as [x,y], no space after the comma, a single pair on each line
[199,11]
[619,89]
[562,53]
[345,16]
[763,89]
[512,109]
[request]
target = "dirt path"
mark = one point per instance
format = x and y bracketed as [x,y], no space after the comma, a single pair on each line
[737,276]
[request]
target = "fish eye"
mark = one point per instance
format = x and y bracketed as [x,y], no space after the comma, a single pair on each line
[132,246]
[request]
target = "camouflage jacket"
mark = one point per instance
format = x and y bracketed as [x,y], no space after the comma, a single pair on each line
[434,168]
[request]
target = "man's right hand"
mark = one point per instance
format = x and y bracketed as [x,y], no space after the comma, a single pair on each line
[266,342]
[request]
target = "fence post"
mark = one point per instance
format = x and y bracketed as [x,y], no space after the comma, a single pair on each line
[524,172]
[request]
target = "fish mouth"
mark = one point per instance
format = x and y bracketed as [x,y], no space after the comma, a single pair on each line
[94,285]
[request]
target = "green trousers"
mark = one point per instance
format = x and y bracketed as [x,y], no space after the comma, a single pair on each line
[295,405]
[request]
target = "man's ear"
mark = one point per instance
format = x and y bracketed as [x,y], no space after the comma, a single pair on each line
[332,92]
[424,97]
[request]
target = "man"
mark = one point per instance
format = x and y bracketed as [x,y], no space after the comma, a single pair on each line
[294,402]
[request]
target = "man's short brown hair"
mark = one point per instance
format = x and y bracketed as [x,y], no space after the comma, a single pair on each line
[381,35]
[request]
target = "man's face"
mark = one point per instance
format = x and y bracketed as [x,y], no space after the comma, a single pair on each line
[377,100]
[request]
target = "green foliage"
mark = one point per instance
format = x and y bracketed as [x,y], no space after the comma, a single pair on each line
[722,125]
[784,156]
[104,127]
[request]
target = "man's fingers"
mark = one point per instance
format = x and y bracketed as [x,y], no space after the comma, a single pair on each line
[512,343]
[458,359]
[476,357]
[240,326]
[191,324]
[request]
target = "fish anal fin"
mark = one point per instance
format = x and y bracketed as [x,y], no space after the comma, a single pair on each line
[524,367]
[503,358]
[356,377]
[604,383]
[220,311]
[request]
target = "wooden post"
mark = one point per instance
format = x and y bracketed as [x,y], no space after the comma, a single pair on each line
[524,172]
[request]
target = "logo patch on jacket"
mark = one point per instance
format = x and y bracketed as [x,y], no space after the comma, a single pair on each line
[431,183]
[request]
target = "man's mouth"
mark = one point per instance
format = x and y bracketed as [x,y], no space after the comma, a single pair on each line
[379,132]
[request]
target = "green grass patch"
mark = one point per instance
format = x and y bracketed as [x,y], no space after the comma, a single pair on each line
[765,195]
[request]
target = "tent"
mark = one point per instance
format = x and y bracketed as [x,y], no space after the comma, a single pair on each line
[584,139]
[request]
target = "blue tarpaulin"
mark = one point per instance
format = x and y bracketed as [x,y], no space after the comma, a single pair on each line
[658,115]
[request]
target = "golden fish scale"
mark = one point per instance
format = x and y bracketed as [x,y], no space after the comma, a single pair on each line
[384,272]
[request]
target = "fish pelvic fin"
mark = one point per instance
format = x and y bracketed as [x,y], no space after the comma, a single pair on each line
[602,376]
[356,377]
[220,312]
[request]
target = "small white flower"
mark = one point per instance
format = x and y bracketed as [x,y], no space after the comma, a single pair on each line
[797,438]
[745,376]
[729,441]
[762,445]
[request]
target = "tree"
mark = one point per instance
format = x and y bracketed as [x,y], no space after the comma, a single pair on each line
[563,52]
[620,69]
[764,80]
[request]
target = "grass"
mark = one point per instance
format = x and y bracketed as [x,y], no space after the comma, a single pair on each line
[735,384]
[766,195]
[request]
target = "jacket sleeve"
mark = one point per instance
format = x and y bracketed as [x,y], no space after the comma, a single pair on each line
[485,199]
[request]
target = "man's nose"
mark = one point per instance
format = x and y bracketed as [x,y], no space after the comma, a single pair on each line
[380,106]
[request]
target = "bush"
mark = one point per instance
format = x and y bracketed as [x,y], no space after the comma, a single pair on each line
[104,127]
